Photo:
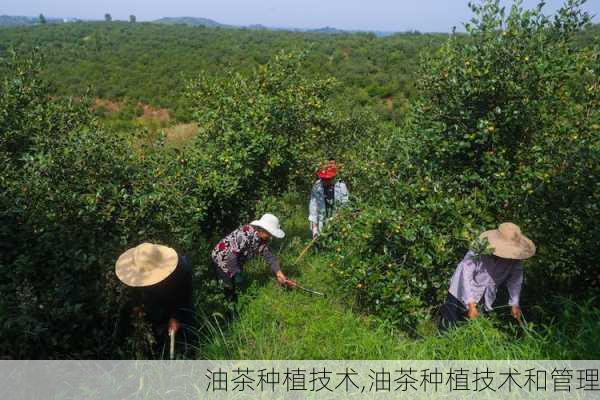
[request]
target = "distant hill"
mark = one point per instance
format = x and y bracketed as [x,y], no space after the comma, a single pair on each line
[191,21]
[327,29]
[8,20]
[257,26]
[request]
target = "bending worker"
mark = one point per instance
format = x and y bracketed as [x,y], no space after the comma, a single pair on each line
[230,254]
[326,196]
[477,278]
[160,288]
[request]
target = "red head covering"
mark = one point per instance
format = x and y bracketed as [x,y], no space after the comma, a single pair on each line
[327,173]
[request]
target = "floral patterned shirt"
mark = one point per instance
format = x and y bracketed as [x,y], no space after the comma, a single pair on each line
[235,249]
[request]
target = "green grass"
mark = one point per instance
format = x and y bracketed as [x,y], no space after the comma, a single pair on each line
[276,323]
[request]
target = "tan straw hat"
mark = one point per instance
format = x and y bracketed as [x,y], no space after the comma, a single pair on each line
[146,264]
[509,242]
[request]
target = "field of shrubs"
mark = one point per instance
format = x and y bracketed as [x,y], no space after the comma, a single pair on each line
[504,125]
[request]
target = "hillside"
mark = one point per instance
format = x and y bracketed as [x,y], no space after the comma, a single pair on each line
[8,20]
[113,58]
[114,134]
[190,21]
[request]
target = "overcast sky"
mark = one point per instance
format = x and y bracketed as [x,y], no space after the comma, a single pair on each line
[384,15]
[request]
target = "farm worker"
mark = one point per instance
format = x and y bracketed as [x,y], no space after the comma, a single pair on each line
[160,287]
[250,240]
[326,196]
[477,277]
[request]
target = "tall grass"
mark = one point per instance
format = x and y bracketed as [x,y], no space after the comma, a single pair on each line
[276,323]
[273,323]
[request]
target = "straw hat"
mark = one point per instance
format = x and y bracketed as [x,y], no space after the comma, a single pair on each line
[270,223]
[146,264]
[509,242]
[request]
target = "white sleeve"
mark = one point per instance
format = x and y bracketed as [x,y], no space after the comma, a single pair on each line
[343,193]
[313,208]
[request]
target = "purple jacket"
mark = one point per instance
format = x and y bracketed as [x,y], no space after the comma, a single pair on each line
[479,277]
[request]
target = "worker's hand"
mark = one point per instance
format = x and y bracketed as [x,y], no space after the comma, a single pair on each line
[281,278]
[290,283]
[314,228]
[173,325]
[516,312]
[472,311]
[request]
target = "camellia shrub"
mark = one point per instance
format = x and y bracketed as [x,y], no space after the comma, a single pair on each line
[64,190]
[261,131]
[398,259]
[505,129]
[75,196]
[514,114]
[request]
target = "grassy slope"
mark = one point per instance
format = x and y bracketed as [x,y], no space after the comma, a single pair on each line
[275,323]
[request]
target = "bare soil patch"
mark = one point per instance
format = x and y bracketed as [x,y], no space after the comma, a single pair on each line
[389,103]
[160,115]
[109,105]
[179,134]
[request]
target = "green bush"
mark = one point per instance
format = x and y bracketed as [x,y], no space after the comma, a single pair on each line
[262,131]
[76,196]
[63,183]
[514,114]
[505,128]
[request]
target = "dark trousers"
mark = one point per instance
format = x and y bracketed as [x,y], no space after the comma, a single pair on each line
[452,312]
[228,283]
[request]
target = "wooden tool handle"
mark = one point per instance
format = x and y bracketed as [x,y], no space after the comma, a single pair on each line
[172,345]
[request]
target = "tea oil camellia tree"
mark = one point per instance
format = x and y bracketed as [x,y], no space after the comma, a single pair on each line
[75,196]
[64,190]
[505,128]
[514,114]
[262,131]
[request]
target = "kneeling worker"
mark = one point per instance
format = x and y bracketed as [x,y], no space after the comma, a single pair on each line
[478,277]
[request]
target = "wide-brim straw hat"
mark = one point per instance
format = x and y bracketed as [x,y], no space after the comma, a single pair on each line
[146,264]
[509,242]
[269,223]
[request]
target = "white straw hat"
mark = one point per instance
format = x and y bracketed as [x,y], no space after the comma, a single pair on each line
[146,264]
[509,242]
[270,223]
